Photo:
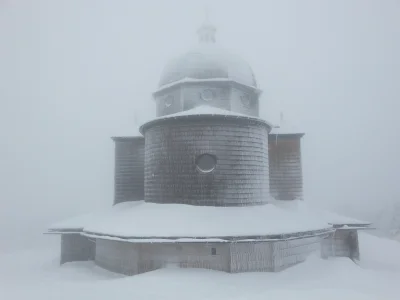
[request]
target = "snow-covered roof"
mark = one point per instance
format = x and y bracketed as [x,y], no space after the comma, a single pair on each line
[128,134]
[204,80]
[204,110]
[76,223]
[141,219]
[322,214]
[285,131]
[206,61]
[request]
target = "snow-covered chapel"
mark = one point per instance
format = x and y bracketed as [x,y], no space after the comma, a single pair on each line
[207,183]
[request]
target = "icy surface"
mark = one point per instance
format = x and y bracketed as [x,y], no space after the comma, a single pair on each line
[140,219]
[36,274]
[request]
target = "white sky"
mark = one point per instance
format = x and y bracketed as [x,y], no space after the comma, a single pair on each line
[73,73]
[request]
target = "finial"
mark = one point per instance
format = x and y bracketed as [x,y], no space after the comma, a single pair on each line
[207,31]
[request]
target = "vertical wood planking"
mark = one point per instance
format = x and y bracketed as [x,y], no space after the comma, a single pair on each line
[285,170]
[129,169]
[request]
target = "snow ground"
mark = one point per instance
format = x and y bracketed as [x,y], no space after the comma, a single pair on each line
[36,274]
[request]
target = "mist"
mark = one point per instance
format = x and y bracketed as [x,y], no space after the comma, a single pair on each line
[74,73]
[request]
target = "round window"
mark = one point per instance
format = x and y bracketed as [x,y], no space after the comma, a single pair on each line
[206,163]
[207,95]
[245,100]
[169,100]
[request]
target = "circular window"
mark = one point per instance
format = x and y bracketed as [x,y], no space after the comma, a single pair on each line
[206,163]
[207,95]
[245,100]
[169,100]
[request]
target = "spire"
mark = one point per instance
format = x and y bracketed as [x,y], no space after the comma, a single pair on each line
[207,31]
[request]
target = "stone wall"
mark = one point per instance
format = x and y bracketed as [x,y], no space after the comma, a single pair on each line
[75,247]
[285,170]
[240,176]
[129,169]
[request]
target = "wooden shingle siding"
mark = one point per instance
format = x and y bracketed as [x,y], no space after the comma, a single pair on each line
[233,257]
[250,257]
[75,247]
[241,173]
[292,252]
[285,170]
[342,243]
[129,169]
[118,257]
[136,258]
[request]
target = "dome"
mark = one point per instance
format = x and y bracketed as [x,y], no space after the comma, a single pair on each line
[208,61]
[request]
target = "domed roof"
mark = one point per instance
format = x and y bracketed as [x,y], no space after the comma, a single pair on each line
[208,61]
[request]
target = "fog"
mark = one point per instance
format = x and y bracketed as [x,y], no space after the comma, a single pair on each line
[74,73]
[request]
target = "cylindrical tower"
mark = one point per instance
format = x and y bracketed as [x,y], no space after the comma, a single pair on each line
[285,171]
[129,169]
[206,156]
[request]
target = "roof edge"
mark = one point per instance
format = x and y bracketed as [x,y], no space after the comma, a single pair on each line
[206,80]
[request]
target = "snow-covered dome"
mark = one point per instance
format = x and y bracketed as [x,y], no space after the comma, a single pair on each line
[208,61]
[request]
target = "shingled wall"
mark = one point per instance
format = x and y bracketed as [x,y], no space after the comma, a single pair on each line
[129,169]
[285,170]
[240,176]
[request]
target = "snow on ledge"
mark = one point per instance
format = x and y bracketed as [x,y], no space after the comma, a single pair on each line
[205,80]
[204,110]
[131,134]
[141,219]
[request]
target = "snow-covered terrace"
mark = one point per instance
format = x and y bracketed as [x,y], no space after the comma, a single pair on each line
[141,220]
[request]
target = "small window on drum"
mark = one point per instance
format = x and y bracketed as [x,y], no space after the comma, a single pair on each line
[246,101]
[207,95]
[169,100]
[206,163]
